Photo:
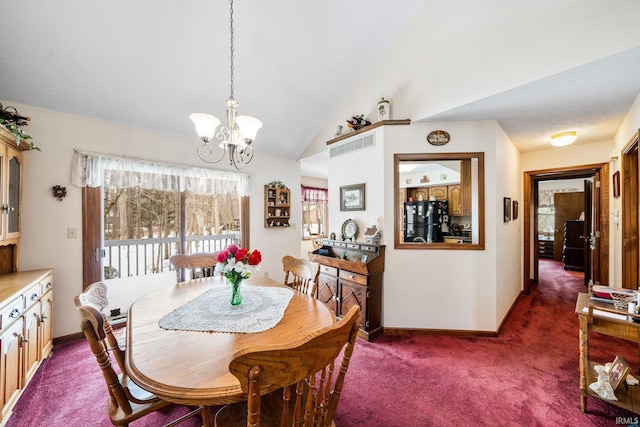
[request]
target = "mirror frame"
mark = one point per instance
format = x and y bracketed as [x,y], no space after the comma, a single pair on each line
[398,213]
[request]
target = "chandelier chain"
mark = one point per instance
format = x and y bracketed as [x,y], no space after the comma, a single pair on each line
[231,31]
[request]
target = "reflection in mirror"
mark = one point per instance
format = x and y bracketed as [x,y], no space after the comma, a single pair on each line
[439,201]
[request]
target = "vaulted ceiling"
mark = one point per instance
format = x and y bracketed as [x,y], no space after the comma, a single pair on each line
[150,63]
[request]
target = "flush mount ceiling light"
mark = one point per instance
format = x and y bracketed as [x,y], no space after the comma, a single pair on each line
[236,137]
[563,138]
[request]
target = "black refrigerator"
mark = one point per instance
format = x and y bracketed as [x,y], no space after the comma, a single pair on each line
[426,221]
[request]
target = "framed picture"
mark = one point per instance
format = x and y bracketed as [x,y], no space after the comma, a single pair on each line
[352,197]
[507,209]
[616,184]
[514,211]
[619,370]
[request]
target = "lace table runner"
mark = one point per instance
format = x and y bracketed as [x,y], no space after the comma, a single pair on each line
[261,309]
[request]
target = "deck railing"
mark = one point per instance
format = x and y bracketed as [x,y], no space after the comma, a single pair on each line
[138,257]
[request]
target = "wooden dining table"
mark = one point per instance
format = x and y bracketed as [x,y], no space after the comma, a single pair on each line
[192,367]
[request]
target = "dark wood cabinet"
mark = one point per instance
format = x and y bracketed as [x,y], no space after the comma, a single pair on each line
[573,248]
[351,274]
[545,248]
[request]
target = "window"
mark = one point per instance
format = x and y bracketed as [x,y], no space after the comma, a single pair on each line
[314,212]
[142,212]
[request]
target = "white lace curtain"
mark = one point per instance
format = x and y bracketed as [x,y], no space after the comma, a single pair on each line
[111,171]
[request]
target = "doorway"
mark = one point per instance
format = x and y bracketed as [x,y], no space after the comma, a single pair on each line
[598,264]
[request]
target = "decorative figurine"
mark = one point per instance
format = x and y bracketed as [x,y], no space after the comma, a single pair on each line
[384,109]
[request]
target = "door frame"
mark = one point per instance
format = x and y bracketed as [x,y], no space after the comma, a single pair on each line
[630,199]
[92,270]
[601,196]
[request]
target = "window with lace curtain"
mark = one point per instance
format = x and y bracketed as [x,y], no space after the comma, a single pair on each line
[314,212]
[151,210]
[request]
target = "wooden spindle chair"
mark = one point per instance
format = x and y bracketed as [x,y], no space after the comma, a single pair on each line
[307,379]
[95,295]
[127,401]
[200,265]
[301,274]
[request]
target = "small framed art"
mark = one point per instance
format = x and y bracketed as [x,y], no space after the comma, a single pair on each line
[352,197]
[514,210]
[619,370]
[507,209]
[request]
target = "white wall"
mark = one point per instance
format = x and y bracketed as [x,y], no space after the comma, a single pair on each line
[438,64]
[44,240]
[627,131]
[436,289]
[509,235]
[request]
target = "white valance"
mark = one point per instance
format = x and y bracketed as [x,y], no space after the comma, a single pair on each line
[112,171]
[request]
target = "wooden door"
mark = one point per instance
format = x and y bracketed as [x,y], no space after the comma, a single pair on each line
[328,291]
[46,325]
[588,240]
[31,346]
[10,366]
[568,207]
[354,294]
[439,193]
[630,193]
[455,200]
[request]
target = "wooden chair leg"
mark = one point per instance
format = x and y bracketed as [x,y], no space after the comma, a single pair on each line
[206,416]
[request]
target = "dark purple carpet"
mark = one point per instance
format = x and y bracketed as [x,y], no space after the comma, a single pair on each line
[528,376]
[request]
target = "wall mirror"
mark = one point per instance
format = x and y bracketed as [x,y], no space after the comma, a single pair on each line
[439,201]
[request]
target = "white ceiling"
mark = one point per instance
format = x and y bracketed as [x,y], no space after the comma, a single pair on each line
[150,63]
[592,100]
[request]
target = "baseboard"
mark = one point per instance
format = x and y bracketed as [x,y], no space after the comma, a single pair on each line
[451,332]
[513,306]
[454,332]
[68,338]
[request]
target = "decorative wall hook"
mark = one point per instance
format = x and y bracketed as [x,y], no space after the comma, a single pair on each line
[59,192]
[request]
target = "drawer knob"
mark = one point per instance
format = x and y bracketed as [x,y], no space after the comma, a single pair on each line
[34,297]
[14,313]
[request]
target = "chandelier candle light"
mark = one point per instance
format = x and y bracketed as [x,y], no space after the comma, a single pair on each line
[236,264]
[236,137]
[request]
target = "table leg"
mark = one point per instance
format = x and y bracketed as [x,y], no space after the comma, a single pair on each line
[584,361]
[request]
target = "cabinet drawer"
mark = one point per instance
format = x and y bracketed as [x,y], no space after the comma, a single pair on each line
[32,294]
[353,277]
[11,312]
[331,271]
[46,285]
[340,245]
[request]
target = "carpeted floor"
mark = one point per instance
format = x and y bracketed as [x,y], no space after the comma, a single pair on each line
[528,376]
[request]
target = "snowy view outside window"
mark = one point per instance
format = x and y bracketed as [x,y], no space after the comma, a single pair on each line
[142,228]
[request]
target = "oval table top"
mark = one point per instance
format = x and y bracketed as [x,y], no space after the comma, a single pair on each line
[192,368]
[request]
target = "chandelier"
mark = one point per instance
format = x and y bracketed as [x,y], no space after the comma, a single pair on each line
[236,137]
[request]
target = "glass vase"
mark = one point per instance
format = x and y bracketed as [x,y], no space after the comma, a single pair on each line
[236,296]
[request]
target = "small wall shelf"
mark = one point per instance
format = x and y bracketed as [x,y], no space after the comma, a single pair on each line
[277,207]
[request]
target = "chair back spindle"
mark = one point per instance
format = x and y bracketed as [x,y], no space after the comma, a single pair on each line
[306,379]
[301,274]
